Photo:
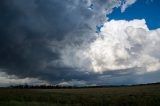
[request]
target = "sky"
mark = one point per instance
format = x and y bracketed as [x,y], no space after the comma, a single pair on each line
[79,42]
[142,9]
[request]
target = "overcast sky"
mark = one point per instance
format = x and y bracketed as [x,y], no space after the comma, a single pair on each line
[79,42]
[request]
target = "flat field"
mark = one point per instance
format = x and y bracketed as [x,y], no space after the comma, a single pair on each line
[144,95]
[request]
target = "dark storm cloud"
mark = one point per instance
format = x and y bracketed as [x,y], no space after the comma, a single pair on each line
[28,28]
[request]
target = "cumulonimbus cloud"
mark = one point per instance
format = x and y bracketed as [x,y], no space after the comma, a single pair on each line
[56,40]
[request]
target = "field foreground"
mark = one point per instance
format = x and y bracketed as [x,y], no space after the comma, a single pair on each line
[144,95]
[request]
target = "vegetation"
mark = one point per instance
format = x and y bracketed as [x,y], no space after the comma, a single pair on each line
[143,95]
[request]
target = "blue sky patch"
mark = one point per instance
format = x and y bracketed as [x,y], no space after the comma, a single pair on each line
[142,9]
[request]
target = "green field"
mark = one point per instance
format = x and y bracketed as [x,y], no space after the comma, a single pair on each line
[146,95]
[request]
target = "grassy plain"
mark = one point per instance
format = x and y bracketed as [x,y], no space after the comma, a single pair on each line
[144,95]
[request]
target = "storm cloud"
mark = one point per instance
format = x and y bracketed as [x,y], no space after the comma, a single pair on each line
[56,41]
[29,28]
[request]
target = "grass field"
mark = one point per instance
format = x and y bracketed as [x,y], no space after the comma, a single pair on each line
[146,95]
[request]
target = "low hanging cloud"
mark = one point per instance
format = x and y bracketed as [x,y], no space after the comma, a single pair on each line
[8,80]
[120,45]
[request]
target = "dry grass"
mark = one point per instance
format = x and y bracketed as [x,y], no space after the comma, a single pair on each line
[147,95]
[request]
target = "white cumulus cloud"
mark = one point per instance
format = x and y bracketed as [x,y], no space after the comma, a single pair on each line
[120,45]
